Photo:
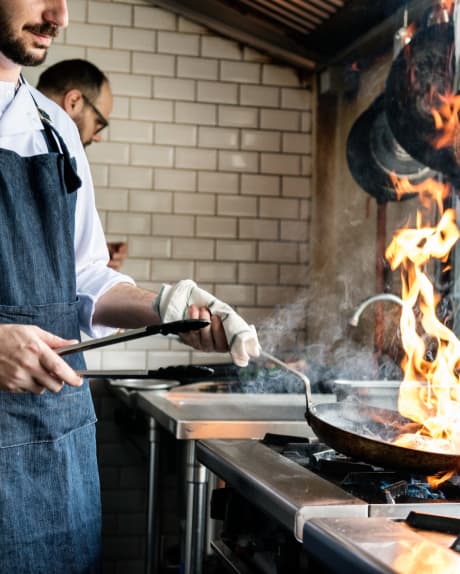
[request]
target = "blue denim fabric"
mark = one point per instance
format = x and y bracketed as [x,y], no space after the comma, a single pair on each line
[49,484]
[36,231]
[50,506]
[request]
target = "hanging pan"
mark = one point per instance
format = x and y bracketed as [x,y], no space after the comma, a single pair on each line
[421,73]
[373,154]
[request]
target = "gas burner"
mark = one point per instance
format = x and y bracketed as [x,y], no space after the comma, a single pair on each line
[315,455]
[365,481]
[391,487]
[324,460]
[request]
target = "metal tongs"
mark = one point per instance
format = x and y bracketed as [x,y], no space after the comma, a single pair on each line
[173,328]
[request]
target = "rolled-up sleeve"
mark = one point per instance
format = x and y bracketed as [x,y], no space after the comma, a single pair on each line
[94,278]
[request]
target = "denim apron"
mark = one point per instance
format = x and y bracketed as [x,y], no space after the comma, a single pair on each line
[49,486]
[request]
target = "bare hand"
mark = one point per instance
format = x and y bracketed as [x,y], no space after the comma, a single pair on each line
[210,338]
[28,362]
[118,252]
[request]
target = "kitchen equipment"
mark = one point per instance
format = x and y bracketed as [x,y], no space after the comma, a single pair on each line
[449,525]
[184,373]
[365,432]
[173,328]
[190,416]
[377,546]
[380,297]
[273,493]
[274,472]
[374,154]
[420,74]
[354,321]
[193,416]
[145,384]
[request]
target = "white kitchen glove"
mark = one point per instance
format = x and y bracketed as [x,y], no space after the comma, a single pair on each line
[173,302]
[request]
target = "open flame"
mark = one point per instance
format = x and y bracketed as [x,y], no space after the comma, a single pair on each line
[428,191]
[423,556]
[446,120]
[430,392]
[448,5]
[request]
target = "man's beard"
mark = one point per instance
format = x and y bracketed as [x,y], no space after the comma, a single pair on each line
[14,47]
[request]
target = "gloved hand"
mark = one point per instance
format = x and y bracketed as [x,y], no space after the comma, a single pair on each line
[173,301]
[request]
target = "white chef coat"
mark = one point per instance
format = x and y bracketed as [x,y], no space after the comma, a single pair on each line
[21,131]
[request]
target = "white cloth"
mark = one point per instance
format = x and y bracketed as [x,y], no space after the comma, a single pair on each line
[172,304]
[21,132]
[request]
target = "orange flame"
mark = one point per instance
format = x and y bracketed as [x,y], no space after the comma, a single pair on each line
[430,392]
[428,191]
[423,556]
[446,121]
[449,4]
[437,479]
[409,32]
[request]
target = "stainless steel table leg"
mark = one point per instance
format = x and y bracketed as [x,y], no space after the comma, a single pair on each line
[212,526]
[152,543]
[195,527]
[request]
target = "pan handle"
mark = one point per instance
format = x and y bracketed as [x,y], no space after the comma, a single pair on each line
[300,375]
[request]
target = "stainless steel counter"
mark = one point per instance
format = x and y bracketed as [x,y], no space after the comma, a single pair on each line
[293,493]
[296,494]
[191,416]
[379,545]
[210,415]
[340,530]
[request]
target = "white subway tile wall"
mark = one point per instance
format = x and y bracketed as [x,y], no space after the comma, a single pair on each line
[205,169]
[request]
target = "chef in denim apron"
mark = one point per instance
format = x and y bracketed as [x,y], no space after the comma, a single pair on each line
[54,282]
[49,521]
[51,247]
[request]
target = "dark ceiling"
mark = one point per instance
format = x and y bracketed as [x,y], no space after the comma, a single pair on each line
[306,33]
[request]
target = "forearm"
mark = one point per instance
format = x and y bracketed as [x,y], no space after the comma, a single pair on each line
[126,306]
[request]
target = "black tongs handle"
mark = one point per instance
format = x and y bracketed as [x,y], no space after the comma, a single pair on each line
[182,373]
[173,328]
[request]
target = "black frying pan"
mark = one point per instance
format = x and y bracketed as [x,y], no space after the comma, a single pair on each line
[365,433]
[354,430]
[421,71]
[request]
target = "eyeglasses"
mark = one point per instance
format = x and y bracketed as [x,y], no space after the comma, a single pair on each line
[102,121]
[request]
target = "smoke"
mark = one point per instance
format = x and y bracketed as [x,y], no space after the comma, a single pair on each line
[284,328]
[341,351]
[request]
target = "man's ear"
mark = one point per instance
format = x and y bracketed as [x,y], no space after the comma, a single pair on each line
[73,102]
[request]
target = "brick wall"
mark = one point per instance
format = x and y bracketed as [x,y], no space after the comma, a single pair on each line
[206,168]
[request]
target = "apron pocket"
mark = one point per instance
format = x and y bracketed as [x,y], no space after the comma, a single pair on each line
[27,418]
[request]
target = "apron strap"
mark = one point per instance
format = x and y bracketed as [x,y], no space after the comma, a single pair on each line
[53,137]
[56,144]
